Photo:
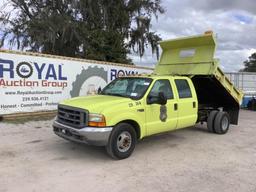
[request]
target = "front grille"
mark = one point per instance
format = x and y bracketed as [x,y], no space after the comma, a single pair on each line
[72,116]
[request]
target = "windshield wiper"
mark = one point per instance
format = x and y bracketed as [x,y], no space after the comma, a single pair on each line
[117,94]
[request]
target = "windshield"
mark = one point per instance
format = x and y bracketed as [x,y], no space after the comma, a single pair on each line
[131,87]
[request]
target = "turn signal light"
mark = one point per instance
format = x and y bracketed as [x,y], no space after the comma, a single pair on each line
[97,124]
[96,120]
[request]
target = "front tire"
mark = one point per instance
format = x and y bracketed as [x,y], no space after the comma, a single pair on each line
[221,122]
[122,141]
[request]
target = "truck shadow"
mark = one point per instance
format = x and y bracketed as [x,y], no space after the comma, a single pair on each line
[199,128]
[73,151]
[69,151]
[171,139]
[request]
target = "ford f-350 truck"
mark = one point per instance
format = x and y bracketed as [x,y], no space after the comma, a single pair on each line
[187,87]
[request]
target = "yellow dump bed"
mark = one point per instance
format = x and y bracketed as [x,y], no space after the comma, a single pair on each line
[194,57]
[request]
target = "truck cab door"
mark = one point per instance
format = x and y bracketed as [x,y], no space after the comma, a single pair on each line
[161,118]
[187,105]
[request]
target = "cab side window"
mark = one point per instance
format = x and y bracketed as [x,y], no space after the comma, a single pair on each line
[183,88]
[162,86]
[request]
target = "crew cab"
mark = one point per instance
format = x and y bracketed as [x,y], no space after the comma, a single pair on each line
[182,91]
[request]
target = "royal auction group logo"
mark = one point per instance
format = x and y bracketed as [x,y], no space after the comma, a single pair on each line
[31,74]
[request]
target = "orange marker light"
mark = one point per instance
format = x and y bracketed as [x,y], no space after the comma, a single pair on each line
[96,120]
[208,32]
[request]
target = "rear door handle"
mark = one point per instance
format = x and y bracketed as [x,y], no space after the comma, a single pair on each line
[175,106]
[140,110]
[194,104]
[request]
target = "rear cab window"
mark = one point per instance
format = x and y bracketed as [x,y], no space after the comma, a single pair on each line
[183,88]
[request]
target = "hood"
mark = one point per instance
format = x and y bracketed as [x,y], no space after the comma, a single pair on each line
[95,103]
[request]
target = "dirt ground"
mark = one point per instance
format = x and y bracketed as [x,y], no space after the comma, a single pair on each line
[33,158]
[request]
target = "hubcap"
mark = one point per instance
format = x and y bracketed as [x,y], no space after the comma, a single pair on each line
[124,141]
[224,123]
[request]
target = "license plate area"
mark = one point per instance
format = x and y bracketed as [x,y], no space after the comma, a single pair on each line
[66,132]
[71,133]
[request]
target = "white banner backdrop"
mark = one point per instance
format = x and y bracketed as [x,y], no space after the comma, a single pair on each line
[36,82]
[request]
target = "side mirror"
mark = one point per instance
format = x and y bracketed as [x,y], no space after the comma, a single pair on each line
[160,99]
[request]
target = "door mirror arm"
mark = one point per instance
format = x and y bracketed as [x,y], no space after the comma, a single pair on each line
[160,99]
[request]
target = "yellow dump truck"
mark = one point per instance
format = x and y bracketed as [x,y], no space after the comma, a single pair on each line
[187,87]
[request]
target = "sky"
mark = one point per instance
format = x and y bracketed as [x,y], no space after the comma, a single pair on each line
[233,21]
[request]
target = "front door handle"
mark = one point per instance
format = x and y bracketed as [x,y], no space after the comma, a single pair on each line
[175,106]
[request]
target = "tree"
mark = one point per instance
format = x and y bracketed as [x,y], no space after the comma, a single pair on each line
[92,29]
[250,63]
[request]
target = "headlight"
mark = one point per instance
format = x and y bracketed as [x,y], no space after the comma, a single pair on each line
[96,120]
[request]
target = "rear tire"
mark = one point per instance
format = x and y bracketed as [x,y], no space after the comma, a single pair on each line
[122,141]
[210,121]
[221,122]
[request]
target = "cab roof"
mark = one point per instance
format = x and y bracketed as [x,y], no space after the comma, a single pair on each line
[153,76]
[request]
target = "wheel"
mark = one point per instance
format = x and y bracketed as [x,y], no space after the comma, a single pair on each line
[210,121]
[122,141]
[221,122]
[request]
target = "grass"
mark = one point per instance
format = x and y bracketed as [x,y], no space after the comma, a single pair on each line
[25,119]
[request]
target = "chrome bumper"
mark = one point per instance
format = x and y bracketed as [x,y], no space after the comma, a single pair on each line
[89,135]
